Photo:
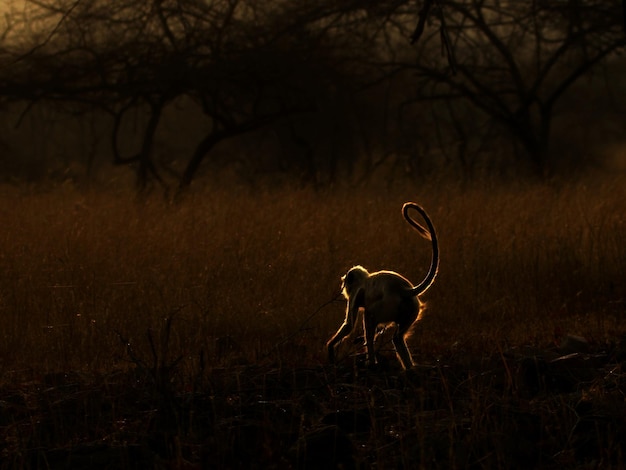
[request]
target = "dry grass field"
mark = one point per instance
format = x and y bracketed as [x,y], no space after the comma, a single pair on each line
[142,333]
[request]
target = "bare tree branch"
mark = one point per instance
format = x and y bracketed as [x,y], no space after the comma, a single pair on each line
[421,22]
[64,16]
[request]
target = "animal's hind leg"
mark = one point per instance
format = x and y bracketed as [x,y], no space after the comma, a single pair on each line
[402,351]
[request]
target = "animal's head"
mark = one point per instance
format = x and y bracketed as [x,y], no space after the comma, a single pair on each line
[353,279]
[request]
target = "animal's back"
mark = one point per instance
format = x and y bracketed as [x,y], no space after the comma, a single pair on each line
[389,298]
[392,281]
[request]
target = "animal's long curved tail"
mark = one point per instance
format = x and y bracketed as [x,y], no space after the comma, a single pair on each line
[429,234]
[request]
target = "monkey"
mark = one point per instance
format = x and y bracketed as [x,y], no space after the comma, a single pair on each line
[385,297]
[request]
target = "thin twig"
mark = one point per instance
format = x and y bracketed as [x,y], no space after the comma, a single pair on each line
[304,322]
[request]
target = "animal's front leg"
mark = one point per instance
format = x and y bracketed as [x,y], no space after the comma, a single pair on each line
[337,337]
[369,328]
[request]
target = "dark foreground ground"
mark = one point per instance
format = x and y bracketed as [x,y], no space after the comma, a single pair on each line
[547,408]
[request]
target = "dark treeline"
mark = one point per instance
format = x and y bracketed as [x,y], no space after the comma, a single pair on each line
[310,89]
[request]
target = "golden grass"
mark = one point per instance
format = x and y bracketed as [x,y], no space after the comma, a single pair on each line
[240,269]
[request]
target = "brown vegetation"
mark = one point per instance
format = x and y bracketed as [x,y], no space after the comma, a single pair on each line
[192,334]
[141,333]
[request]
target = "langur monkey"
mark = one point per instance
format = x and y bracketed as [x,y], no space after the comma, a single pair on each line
[386,297]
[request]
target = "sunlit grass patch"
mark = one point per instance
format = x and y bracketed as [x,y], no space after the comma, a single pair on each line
[519,264]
